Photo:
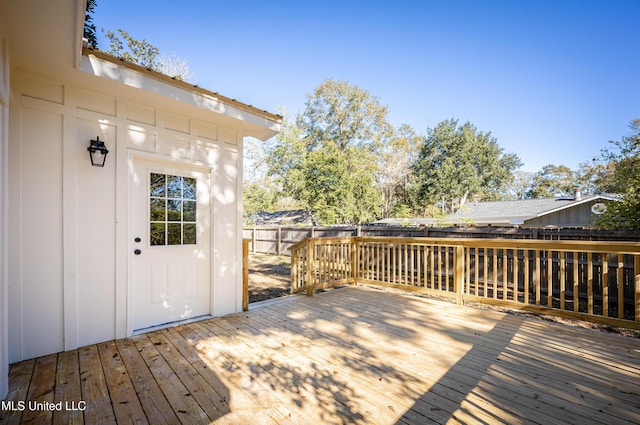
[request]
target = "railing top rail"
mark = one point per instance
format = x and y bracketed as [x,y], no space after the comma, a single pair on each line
[582,246]
[332,241]
[298,244]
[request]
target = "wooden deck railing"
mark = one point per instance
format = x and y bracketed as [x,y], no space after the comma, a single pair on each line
[596,281]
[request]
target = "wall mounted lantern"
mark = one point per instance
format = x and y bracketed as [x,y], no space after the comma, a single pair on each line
[97,152]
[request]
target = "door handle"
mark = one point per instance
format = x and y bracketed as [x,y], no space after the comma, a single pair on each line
[137,252]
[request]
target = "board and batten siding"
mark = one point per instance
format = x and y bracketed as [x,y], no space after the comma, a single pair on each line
[4,223]
[69,238]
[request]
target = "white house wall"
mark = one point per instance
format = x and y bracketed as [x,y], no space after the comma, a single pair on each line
[35,235]
[68,239]
[4,185]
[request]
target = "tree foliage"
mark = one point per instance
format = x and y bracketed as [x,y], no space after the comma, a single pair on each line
[257,198]
[140,52]
[345,115]
[342,160]
[625,155]
[89,26]
[394,178]
[553,181]
[132,50]
[457,162]
[327,159]
[520,185]
[595,177]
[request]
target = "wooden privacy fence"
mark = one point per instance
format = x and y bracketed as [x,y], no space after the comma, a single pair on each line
[595,281]
[279,239]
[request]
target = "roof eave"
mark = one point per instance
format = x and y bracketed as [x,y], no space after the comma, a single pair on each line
[262,124]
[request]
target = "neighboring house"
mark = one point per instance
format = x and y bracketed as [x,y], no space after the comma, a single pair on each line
[576,211]
[286,218]
[90,254]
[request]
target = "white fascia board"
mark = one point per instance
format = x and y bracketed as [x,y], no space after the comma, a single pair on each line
[252,124]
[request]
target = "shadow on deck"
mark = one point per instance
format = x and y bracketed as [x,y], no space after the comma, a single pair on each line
[352,355]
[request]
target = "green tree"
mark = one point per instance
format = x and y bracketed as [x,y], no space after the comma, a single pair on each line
[143,53]
[328,159]
[553,181]
[625,154]
[597,177]
[89,26]
[257,197]
[457,162]
[395,177]
[136,51]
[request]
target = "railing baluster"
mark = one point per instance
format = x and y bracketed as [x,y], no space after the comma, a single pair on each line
[505,260]
[405,268]
[563,281]
[549,278]
[605,285]
[590,283]
[516,269]
[538,277]
[494,251]
[418,265]
[476,271]
[525,259]
[389,272]
[636,279]
[394,268]
[620,279]
[576,286]
[458,272]
[413,266]
[446,269]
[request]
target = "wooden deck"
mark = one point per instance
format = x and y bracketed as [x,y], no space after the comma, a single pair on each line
[352,355]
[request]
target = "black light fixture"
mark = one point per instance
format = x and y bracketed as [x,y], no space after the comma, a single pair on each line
[97,152]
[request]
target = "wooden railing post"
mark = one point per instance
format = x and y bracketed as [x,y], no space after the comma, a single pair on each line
[458,273]
[311,272]
[294,269]
[354,259]
[245,274]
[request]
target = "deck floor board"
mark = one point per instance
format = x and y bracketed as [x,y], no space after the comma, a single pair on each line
[352,355]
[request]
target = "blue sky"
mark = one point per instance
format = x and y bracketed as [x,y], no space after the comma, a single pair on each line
[552,81]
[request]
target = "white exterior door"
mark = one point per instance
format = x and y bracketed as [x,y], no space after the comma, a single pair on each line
[170,243]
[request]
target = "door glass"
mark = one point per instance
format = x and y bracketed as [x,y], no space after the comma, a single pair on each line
[172,210]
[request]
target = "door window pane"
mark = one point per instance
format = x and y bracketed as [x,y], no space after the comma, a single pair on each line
[189,211]
[158,185]
[174,187]
[157,234]
[158,209]
[189,188]
[172,210]
[188,234]
[174,234]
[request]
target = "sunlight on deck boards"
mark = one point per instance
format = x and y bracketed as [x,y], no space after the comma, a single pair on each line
[352,355]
